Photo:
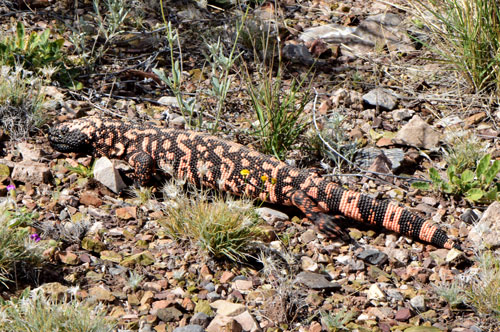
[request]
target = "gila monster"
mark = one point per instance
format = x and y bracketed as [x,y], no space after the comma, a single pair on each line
[207,160]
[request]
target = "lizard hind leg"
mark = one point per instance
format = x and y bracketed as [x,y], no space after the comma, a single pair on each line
[326,223]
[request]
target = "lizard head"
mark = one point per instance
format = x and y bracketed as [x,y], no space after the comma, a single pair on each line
[74,136]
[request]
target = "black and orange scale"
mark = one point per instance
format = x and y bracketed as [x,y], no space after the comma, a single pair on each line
[207,160]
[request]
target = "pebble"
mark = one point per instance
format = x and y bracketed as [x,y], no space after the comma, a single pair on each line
[418,302]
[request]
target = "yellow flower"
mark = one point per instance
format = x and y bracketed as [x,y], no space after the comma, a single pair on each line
[264,178]
[245,172]
[273,180]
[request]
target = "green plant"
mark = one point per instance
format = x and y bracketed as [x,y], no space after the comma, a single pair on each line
[220,79]
[32,52]
[463,150]
[222,228]
[82,170]
[477,185]
[337,321]
[452,293]
[35,311]
[108,19]
[134,280]
[16,247]
[467,35]
[174,81]
[21,103]
[279,112]
[334,135]
[478,286]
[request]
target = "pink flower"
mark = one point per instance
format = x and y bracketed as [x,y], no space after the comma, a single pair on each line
[35,237]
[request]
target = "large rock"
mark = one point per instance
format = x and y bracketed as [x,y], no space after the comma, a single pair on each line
[417,133]
[486,233]
[105,172]
[31,172]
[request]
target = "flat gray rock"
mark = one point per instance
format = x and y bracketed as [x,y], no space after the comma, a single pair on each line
[316,281]
[382,98]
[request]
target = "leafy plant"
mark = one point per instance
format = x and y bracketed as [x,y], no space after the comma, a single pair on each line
[279,113]
[21,103]
[16,247]
[477,185]
[32,52]
[174,81]
[35,311]
[82,170]
[467,35]
[337,321]
[220,227]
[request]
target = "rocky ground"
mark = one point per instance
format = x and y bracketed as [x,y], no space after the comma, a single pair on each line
[112,249]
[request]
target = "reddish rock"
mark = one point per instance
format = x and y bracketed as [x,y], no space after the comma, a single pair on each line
[90,198]
[403,315]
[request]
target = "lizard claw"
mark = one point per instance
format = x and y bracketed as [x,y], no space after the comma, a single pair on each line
[327,224]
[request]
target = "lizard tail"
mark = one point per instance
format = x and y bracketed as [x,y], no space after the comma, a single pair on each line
[382,213]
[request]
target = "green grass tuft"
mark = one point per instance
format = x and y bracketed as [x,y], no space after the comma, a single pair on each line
[220,227]
[467,35]
[35,312]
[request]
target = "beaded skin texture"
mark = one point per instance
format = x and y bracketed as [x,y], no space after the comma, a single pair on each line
[207,160]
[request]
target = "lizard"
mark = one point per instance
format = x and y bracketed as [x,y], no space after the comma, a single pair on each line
[204,159]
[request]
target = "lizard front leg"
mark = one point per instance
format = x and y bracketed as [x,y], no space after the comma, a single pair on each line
[143,165]
[326,223]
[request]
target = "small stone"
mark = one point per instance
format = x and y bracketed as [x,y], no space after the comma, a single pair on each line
[144,258]
[224,323]
[227,276]
[308,236]
[271,216]
[308,264]
[403,315]
[69,258]
[107,174]
[316,281]
[418,302]
[90,198]
[111,256]
[170,314]
[101,294]
[92,244]
[30,152]
[374,257]
[243,285]
[475,119]
[152,286]
[247,322]
[315,327]
[375,293]
[453,255]
[213,296]
[402,114]
[168,101]
[127,212]
[383,98]
[201,319]
[190,328]
[226,308]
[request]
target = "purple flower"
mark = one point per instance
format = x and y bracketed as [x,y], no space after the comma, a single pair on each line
[35,237]
[11,187]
